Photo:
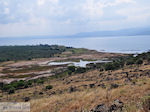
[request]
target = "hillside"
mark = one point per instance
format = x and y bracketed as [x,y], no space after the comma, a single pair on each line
[122,85]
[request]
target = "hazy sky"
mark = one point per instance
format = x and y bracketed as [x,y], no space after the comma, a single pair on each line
[65,17]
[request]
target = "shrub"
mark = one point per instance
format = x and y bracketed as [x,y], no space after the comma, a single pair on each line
[148,59]
[49,87]
[40,81]
[26,99]
[19,84]
[101,69]
[109,66]
[1,85]
[26,86]
[72,68]
[81,70]
[130,62]
[69,72]
[11,90]
[116,65]
[113,86]
[29,58]
[121,63]
[6,87]
[139,62]
[29,83]
[15,85]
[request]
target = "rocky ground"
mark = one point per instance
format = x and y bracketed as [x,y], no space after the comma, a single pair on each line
[123,90]
[120,90]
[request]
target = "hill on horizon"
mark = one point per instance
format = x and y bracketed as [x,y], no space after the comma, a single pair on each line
[121,32]
[105,33]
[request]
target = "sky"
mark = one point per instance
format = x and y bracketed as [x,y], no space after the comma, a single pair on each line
[66,17]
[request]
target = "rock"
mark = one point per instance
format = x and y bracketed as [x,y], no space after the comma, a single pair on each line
[40,93]
[53,92]
[26,99]
[71,89]
[102,85]
[35,92]
[101,80]
[100,75]
[1,84]
[85,86]
[108,79]
[135,70]
[113,86]
[91,85]
[116,106]
[147,73]
[127,74]
[100,108]
[101,69]
[146,104]
[133,83]
[126,81]
[140,70]
[68,82]
[116,78]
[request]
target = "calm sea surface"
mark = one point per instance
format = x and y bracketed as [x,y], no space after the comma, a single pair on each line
[126,44]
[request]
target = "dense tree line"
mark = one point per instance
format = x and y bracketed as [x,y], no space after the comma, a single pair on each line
[14,53]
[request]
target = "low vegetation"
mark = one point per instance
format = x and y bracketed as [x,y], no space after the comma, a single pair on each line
[16,85]
[123,61]
[49,87]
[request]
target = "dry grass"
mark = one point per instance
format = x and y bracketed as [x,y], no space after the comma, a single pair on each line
[85,98]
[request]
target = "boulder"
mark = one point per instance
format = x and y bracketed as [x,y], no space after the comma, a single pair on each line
[113,86]
[26,99]
[91,85]
[102,85]
[100,108]
[116,106]
[40,93]
[72,89]
[85,86]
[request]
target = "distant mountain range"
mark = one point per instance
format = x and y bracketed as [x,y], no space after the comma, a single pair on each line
[123,32]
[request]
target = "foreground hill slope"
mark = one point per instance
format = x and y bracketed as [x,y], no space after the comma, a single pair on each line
[83,92]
